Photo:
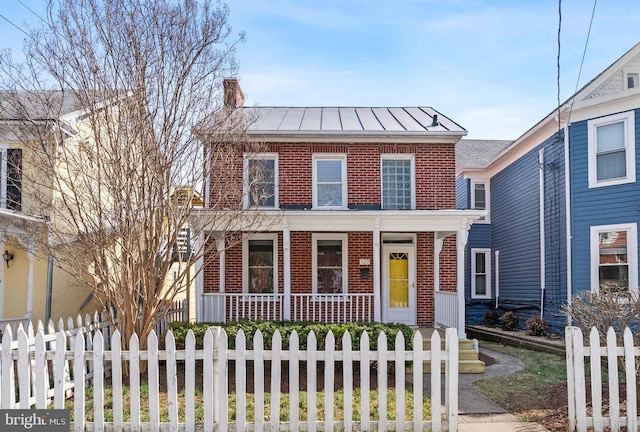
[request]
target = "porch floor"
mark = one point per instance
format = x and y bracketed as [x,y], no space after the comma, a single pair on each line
[468,361]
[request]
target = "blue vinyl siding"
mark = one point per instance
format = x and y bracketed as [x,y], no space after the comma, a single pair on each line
[515,230]
[479,237]
[597,206]
[555,295]
[463,196]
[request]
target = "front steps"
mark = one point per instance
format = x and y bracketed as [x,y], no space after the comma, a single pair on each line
[468,361]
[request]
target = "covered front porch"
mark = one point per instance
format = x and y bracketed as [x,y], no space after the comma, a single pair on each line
[414,237]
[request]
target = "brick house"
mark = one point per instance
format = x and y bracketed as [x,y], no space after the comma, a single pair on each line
[358,210]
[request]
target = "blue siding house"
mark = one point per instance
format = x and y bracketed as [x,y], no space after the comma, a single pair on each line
[563,203]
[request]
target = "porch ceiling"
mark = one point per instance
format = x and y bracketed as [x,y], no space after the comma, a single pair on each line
[339,220]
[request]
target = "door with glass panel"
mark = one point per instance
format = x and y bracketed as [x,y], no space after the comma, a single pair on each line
[399,284]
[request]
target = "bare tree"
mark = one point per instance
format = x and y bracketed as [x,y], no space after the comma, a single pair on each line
[119,182]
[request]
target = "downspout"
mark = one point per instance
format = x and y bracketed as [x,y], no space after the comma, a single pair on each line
[47,312]
[542,232]
[497,278]
[567,197]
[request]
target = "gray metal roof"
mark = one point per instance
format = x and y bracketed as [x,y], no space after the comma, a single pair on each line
[352,120]
[478,153]
[36,105]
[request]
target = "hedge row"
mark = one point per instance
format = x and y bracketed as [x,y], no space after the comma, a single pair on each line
[303,328]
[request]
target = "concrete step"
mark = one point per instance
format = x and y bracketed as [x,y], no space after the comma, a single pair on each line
[464,366]
[463,344]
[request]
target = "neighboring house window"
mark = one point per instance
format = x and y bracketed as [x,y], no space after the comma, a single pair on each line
[398,182]
[330,181]
[479,198]
[260,254]
[330,263]
[481,276]
[612,150]
[261,180]
[614,258]
[11,179]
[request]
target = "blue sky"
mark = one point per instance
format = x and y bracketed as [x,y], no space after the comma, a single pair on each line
[490,65]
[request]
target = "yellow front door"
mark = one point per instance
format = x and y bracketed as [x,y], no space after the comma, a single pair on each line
[399,284]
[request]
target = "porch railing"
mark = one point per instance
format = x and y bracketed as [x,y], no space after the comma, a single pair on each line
[14,323]
[220,307]
[446,309]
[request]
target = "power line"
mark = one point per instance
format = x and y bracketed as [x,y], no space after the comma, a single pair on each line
[32,11]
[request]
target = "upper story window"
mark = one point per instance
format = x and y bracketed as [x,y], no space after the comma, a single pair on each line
[260,274]
[11,178]
[330,181]
[261,180]
[479,198]
[330,263]
[398,182]
[481,273]
[631,78]
[614,258]
[612,150]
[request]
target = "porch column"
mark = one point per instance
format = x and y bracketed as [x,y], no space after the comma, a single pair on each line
[461,240]
[199,272]
[437,248]
[30,257]
[286,256]
[221,262]
[377,306]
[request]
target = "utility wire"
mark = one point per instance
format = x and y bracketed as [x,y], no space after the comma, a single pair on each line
[584,54]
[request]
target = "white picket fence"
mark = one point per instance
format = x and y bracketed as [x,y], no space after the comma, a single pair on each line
[577,355]
[42,371]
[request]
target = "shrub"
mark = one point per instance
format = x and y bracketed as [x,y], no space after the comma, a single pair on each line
[491,318]
[303,328]
[536,326]
[509,321]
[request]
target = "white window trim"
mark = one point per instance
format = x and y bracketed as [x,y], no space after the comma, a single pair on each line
[630,144]
[630,71]
[632,253]
[245,183]
[3,174]
[487,255]
[487,218]
[245,259]
[399,156]
[345,261]
[330,156]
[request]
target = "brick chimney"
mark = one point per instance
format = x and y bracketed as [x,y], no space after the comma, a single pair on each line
[233,96]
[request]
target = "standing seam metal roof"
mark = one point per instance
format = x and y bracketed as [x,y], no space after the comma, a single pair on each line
[350,119]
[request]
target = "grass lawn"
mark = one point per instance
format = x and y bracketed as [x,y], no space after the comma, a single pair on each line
[536,393]
[250,403]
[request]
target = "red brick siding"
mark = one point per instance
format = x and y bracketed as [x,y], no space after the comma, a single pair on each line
[448,269]
[424,283]
[435,173]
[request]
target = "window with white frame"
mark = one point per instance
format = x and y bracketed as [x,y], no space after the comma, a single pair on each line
[10,178]
[260,270]
[481,273]
[398,180]
[614,258]
[330,181]
[479,198]
[261,180]
[612,150]
[330,263]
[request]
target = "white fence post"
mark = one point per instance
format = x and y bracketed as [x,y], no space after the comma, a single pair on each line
[32,358]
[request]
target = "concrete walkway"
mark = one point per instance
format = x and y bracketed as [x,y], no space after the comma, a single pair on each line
[478,413]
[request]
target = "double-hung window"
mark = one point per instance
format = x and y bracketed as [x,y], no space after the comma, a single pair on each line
[261,180]
[614,258]
[10,178]
[330,263]
[330,181]
[481,273]
[398,180]
[479,198]
[260,254]
[612,150]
